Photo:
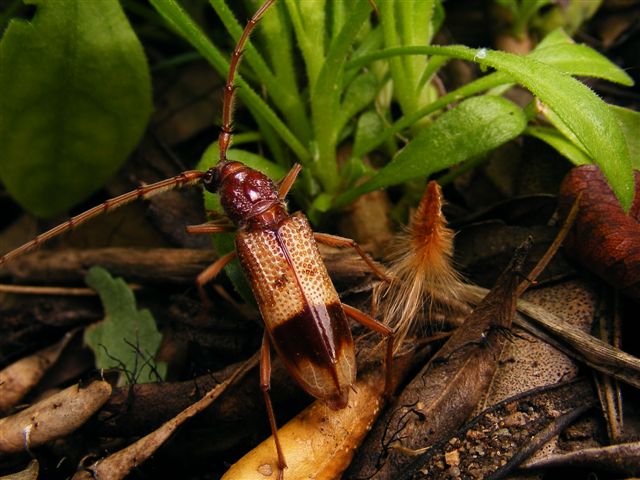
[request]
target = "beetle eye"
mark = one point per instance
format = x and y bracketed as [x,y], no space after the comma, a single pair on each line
[210,180]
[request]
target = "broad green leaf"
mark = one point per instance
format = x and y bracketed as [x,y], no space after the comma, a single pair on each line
[629,121]
[556,49]
[473,128]
[127,338]
[75,99]
[561,143]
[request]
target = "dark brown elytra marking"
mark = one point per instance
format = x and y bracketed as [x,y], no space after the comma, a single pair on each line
[318,333]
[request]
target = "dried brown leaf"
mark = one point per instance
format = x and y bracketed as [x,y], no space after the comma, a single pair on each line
[604,239]
[443,394]
[528,362]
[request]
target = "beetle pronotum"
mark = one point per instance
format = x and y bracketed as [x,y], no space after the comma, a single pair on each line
[303,316]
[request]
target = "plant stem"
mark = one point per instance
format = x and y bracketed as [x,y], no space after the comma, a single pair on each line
[325,98]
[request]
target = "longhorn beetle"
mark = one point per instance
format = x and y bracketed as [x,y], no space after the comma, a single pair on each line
[303,316]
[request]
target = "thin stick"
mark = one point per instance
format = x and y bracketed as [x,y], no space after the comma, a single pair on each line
[33,290]
[553,248]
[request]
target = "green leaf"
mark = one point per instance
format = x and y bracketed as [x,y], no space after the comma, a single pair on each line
[322,203]
[562,144]
[127,338]
[281,86]
[308,20]
[360,93]
[325,96]
[568,15]
[76,97]
[585,115]
[369,128]
[473,128]
[178,19]
[353,169]
[562,49]
[578,59]
[629,121]
[553,38]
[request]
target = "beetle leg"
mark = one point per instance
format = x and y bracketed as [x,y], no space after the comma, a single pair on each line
[287,182]
[211,272]
[365,320]
[209,227]
[265,385]
[336,241]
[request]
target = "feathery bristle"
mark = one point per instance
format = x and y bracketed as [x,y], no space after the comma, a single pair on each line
[422,272]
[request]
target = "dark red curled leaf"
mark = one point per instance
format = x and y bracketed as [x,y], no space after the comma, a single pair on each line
[604,238]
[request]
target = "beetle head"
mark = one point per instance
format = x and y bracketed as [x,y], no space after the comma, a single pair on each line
[244,192]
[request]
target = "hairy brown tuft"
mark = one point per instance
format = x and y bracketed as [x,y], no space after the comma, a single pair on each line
[421,270]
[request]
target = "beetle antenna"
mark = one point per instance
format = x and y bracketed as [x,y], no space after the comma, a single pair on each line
[224,140]
[184,179]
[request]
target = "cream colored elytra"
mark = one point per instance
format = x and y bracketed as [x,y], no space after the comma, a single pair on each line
[300,306]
